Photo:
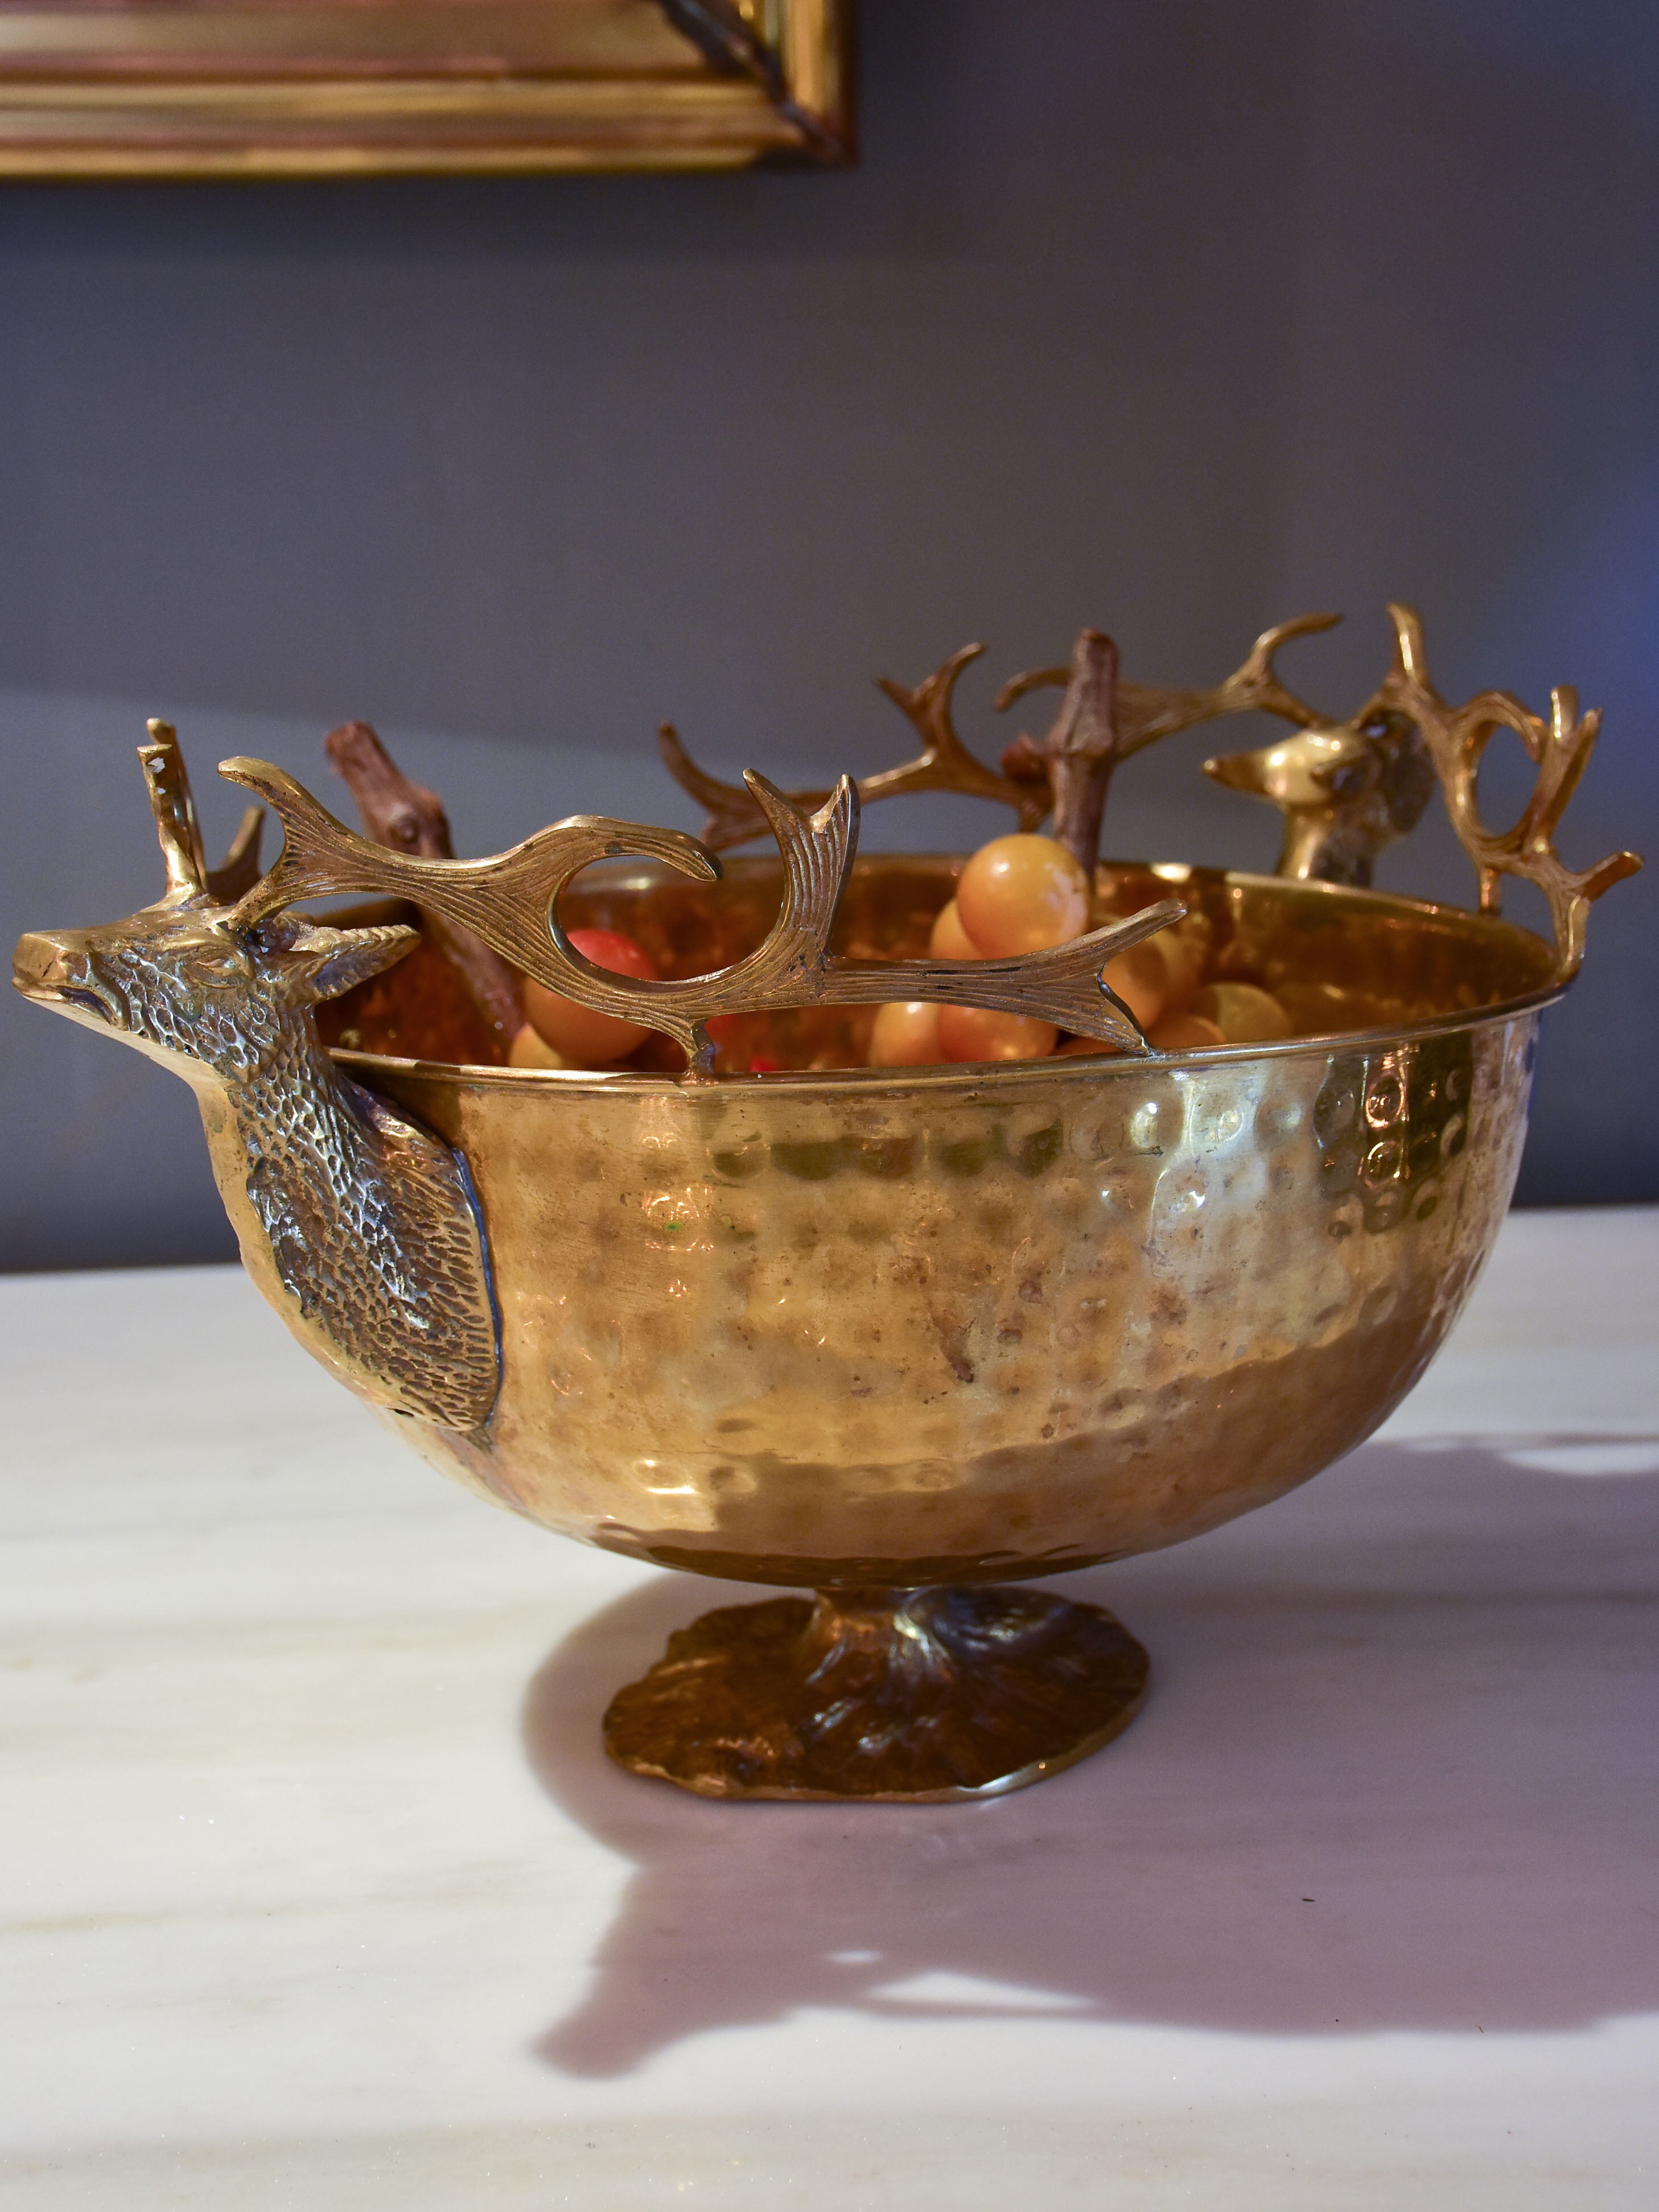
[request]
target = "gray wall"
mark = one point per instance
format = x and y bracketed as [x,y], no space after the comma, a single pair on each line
[1172,317]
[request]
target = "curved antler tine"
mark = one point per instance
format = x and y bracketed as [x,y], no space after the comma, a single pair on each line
[1258,679]
[817,851]
[1262,651]
[1028,680]
[927,704]
[733,815]
[319,855]
[168,781]
[1409,658]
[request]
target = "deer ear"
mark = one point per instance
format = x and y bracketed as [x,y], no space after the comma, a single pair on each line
[322,963]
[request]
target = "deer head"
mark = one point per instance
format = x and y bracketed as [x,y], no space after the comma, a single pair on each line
[357,1226]
[1345,791]
[181,980]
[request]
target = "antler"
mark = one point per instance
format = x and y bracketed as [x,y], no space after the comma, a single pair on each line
[795,968]
[1140,713]
[409,818]
[504,899]
[171,803]
[510,900]
[734,815]
[1063,984]
[1145,713]
[1456,737]
[167,780]
[944,763]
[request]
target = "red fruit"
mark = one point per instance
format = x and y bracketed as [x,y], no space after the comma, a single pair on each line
[587,1039]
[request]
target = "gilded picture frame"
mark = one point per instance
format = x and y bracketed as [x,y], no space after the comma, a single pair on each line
[342,88]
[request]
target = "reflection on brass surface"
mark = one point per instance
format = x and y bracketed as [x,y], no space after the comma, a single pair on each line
[859,1330]
[853,1329]
[906,1696]
[510,901]
[307,88]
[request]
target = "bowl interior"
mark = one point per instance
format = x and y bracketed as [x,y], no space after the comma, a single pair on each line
[1341,962]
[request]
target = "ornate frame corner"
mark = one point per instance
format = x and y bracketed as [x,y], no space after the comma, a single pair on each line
[336,88]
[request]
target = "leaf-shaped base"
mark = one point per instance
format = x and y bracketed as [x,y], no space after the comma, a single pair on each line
[916,1696]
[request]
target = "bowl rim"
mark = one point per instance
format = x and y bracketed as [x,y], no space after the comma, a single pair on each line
[974,1075]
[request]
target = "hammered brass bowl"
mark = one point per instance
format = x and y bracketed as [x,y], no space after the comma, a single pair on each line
[868,1331]
[899,1337]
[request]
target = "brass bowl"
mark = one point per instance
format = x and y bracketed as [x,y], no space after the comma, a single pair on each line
[869,1331]
[900,1337]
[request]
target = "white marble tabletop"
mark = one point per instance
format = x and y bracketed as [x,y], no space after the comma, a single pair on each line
[319,1893]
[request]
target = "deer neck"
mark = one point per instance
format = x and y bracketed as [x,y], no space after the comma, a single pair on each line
[292,1100]
[1320,846]
[356,1224]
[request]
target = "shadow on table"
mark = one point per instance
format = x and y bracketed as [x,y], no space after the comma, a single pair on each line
[1396,1771]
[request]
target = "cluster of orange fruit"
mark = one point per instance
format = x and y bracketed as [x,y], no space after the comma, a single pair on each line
[1019,894]
[1023,894]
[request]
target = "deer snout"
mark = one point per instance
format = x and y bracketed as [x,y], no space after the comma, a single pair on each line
[1239,772]
[40,963]
[1310,769]
[54,967]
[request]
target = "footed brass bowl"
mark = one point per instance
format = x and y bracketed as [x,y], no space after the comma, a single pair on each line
[869,1332]
[900,1337]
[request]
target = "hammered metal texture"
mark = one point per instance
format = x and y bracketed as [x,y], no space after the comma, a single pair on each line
[888,1328]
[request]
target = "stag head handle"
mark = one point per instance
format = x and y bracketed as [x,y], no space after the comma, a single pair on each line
[1348,789]
[360,1227]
